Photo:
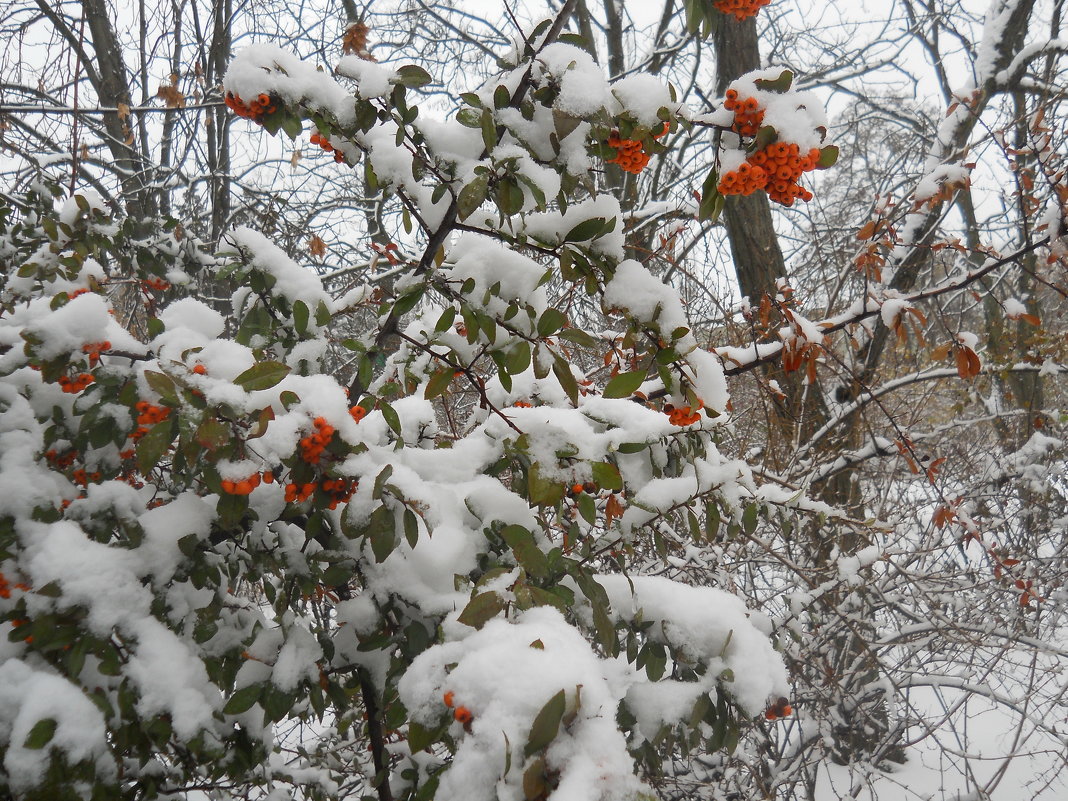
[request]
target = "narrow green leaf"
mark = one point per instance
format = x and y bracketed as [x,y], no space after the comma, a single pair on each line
[472,196]
[546,724]
[263,375]
[749,518]
[301,316]
[411,527]
[438,383]
[562,371]
[243,699]
[586,230]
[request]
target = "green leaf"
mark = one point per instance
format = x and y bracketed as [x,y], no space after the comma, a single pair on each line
[624,384]
[828,157]
[420,737]
[527,553]
[780,84]
[534,784]
[301,315]
[472,196]
[562,371]
[322,314]
[212,434]
[413,76]
[162,385]
[711,521]
[263,375]
[243,699]
[153,445]
[489,130]
[411,527]
[518,358]
[546,724]
[382,533]
[292,126]
[749,519]
[438,383]
[765,136]
[501,96]
[606,476]
[389,414]
[406,302]
[482,608]
[587,507]
[509,197]
[551,321]
[469,117]
[40,735]
[564,123]
[579,337]
[586,230]
[543,491]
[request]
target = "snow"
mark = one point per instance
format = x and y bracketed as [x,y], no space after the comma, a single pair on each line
[504,674]
[642,96]
[29,695]
[372,80]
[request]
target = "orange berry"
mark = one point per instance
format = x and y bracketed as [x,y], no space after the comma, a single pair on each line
[463,715]
[200,369]
[448,698]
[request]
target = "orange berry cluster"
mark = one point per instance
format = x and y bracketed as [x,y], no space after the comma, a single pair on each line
[748,116]
[246,485]
[784,164]
[79,476]
[683,416]
[339,490]
[740,9]
[298,493]
[358,413]
[255,110]
[75,385]
[60,462]
[156,283]
[148,415]
[780,709]
[94,349]
[461,713]
[313,445]
[775,169]
[629,154]
[320,140]
[745,180]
